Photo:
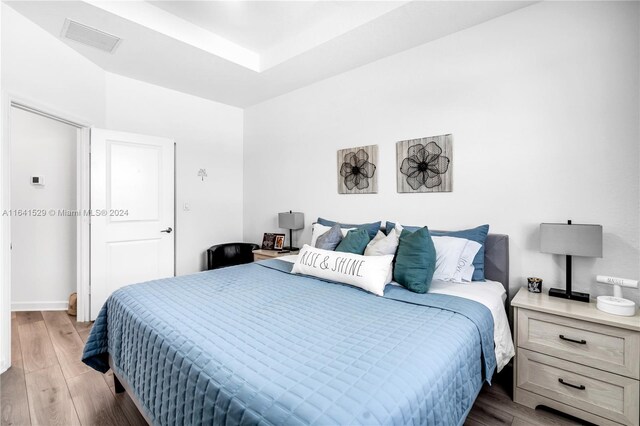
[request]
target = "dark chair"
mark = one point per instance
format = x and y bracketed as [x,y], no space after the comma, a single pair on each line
[230,254]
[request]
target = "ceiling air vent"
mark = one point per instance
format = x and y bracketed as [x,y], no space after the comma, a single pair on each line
[90,36]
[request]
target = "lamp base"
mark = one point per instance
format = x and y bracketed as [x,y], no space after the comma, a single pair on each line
[574,295]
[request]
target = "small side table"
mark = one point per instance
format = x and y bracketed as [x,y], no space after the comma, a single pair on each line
[269,254]
[576,359]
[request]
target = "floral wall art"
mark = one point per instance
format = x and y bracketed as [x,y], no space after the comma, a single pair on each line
[357,170]
[424,165]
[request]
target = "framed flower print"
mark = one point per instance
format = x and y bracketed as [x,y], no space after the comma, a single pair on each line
[357,170]
[424,165]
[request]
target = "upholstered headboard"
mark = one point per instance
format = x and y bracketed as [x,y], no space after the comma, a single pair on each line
[496,259]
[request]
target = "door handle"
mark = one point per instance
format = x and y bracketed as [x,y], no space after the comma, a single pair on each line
[168,230]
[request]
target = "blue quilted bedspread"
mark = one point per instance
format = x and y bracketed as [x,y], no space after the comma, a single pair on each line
[253,344]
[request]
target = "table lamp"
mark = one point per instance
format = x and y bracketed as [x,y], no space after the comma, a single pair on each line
[291,220]
[570,240]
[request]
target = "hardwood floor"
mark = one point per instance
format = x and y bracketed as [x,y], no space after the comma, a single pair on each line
[48,385]
[495,407]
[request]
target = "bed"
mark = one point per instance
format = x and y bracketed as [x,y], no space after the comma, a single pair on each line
[255,344]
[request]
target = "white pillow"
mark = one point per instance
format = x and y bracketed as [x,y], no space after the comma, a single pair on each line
[465,268]
[384,244]
[317,230]
[379,236]
[466,274]
[448,252]
[369,273]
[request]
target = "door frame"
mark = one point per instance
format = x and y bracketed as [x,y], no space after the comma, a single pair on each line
[7,102]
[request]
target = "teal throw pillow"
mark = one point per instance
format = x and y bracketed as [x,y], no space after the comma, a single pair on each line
[477,234]
[415,260]
[354,242]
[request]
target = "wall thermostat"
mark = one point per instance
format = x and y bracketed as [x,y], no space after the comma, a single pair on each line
[37,180]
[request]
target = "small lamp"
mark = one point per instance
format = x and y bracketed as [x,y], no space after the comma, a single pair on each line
[291,220]
[570,240]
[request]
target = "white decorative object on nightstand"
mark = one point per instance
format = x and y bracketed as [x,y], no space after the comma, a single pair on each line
[616,304]
[574,358]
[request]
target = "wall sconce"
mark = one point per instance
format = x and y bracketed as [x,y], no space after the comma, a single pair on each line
[202,173]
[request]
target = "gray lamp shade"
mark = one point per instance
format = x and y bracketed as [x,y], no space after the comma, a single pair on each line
[291,220]
[572,240]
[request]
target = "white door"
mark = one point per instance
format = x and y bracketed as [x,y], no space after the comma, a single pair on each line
[132,207]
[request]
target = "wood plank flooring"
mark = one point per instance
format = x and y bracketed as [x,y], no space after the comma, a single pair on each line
[48,385]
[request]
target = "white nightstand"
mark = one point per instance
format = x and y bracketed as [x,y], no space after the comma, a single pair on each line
[269,254]
[576,359]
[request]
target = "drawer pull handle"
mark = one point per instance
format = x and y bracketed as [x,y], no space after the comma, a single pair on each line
[581,387]
[581,341]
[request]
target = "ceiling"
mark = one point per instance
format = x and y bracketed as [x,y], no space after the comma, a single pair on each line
[263,25]
[244,52]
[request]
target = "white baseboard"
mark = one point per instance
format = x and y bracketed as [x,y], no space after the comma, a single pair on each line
[40,306]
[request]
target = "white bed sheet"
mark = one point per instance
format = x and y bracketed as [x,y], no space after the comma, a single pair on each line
[491,294]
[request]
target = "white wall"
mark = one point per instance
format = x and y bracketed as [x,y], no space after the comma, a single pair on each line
[208,135]
[543,105]
[40,68]
[5,291]
[45,72]
[43,257]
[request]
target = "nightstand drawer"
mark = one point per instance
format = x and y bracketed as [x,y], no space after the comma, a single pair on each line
[606,348]
[604,394]
[270,254]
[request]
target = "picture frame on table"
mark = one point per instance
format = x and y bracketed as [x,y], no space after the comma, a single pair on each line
[269,241]
[279,243]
